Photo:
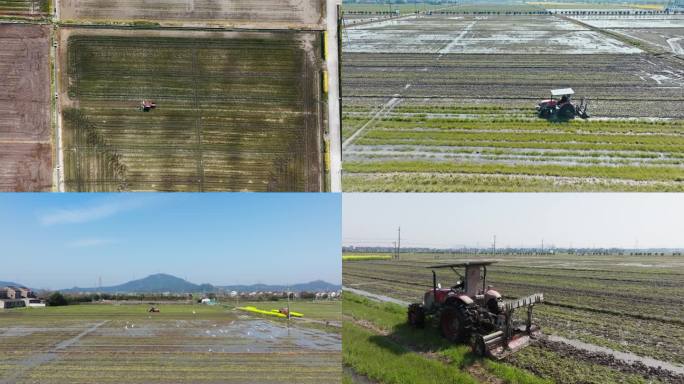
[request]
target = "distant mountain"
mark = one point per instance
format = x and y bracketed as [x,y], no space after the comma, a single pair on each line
[9,283]
[167,283]
[314,286]
[151,284]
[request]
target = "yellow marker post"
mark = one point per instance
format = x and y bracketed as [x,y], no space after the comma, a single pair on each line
[325,81]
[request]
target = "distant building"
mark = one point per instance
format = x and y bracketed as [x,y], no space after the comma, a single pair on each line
[7,293]
[34,303]
[12,303]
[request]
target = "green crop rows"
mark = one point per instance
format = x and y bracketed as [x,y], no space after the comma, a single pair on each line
[232,114]
[584,296]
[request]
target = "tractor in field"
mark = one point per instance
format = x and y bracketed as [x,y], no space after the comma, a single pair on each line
[561,108]
[147,105]
[473,312]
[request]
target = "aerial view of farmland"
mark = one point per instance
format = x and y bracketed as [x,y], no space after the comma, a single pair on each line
[607,315]
[189,96]
[101,299]
[464,98]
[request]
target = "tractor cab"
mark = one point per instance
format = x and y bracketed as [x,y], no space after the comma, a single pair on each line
[561,107]
[472,311]
[471,287]
[147,105]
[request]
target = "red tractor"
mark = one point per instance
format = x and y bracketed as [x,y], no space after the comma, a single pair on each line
[147,105]
[561,108]
[472,312]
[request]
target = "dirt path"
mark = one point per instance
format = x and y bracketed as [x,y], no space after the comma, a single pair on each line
[46,357]
[387,108]
[334,96]
[622,356]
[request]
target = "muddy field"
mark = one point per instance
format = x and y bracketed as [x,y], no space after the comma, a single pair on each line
[267,14]
[25,135]
[235,111]
[646,295]
[480,34]
[424,112]
[182,344]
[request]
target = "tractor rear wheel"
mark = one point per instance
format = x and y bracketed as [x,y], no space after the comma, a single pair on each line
[454,323]
[416,315]
[567,112]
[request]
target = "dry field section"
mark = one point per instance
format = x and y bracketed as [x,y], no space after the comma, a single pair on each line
[446,103]
[182,344]
[235,111]
[25,137]
[27,8]
[269,14]
[585,297]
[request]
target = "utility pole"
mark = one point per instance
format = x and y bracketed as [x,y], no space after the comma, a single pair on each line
[399,242]
[494,245]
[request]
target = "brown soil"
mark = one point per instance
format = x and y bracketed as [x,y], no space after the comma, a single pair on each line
[25,149]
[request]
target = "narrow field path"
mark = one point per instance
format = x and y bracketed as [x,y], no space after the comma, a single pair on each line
[622,356]
[387,108]
[46,357]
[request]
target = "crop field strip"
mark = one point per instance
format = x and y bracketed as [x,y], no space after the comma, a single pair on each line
[213,130]
[285,14]
[470,125]
[129,342]
[578,303]
[23,7]
[25,146]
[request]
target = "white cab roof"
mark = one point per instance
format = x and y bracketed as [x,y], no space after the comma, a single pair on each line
[562,92]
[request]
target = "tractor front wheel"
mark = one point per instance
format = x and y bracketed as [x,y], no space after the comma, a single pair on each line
[416,315]
[453,323]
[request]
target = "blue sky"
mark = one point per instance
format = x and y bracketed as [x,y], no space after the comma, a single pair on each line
[63,240]
[564,220]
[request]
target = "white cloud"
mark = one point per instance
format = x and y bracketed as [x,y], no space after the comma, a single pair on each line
[89,242]
[90,213]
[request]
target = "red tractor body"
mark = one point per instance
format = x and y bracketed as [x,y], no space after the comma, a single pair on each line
[561,108]
[470,311]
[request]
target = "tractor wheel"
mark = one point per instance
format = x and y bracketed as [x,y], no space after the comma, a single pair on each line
[478,346]
[567,112]
[416,316]
[454,323]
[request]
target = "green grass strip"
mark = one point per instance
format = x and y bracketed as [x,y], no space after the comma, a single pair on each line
[383,360]
[623,172]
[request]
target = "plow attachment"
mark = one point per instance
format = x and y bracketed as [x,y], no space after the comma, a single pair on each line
[582,110]
[509,339]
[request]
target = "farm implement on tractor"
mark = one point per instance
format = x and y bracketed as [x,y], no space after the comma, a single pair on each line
[472,312]
[561,108]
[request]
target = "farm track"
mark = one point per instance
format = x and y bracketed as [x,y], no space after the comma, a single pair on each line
[242,137]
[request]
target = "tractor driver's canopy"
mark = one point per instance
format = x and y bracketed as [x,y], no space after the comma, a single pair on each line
[564,94]
[472,277]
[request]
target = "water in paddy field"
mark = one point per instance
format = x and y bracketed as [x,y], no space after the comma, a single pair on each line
[248,335]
